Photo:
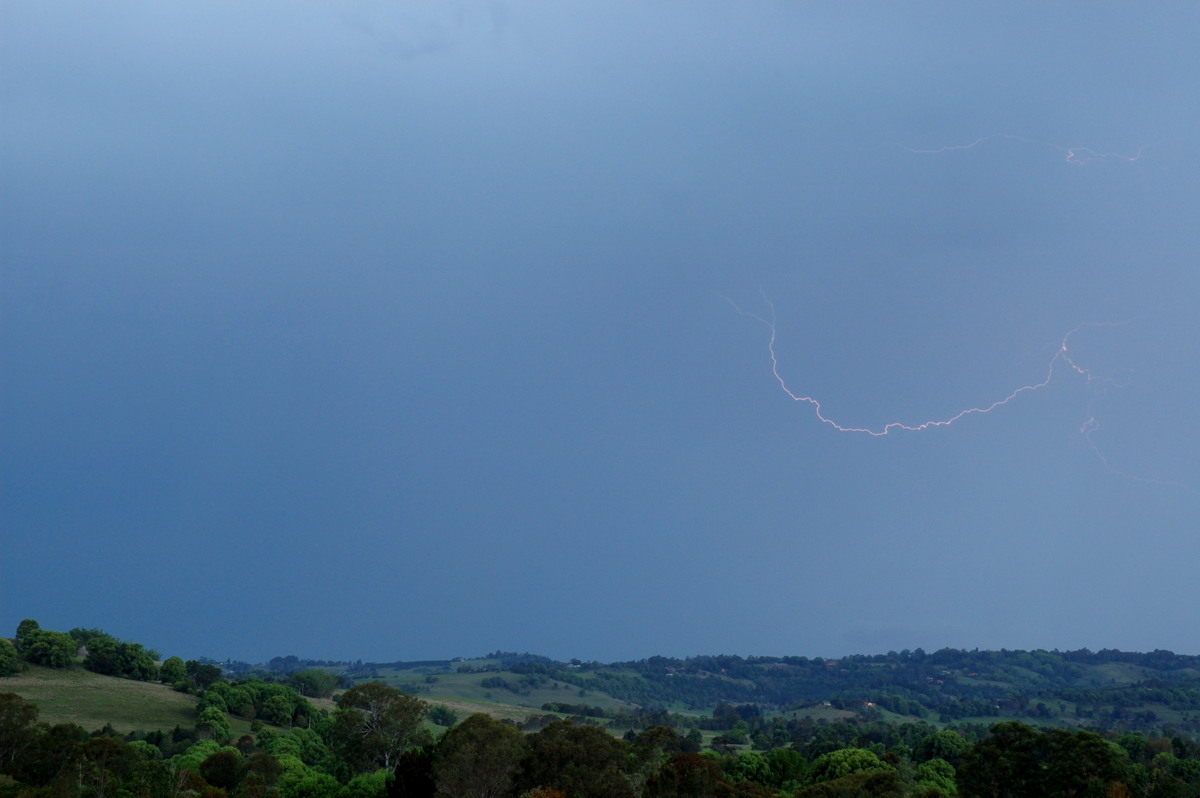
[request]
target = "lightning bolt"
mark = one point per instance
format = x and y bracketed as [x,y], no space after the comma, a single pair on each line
[1060,361]
[1073,155]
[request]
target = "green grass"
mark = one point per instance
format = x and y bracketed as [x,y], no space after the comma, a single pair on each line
[454,688]
[74,695]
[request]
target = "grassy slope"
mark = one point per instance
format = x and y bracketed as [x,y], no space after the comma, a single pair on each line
[464,693]
[74,695]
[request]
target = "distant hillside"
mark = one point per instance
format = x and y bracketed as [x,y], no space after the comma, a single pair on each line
[1120,691]
[1105,689]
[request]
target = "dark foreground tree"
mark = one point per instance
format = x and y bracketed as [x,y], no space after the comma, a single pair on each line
[581,761]
[1016,760]
[685,775]
[17,718]
[374,724]
[864,784]
[478,758]
[414,775]
[97,768]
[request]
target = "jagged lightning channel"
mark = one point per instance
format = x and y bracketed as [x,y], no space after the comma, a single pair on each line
[1061,359]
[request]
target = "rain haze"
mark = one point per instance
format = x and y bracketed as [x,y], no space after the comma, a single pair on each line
[405,330]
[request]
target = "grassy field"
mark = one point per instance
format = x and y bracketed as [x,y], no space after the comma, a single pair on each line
[75,695]
[453,688]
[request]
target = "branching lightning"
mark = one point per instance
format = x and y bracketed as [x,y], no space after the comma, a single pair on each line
[1061,361]
[1073,155]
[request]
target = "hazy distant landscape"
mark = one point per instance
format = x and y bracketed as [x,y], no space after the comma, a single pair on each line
[907,723]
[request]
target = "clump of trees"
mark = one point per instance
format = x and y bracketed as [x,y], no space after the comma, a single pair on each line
[112,657]
[96,650]
[46,647]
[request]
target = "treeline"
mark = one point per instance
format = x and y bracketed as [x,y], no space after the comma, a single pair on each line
[376,745]
[102,653]
[96,650]
[946,685]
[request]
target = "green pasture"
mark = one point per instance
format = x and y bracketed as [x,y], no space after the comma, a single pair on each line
[74,695]
[467,687]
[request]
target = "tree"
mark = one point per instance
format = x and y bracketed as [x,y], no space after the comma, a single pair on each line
[685,775]
[46,750]
[239,701]
[212,723]
[1002,764]
[17,717]
[222,769]
[103,655]
[477,758]
[936,775]
[212,698]
[314,682]
[846,762]
[259,774]
[369,785]
[195,754]
[52,649]
[137,662]
[203,674]
[172,671]
[1082,763]
[748,766]
[1016,760]
[83,636]
[414,775]
[866,784]
[297,780]
[443,715]
[111,657]
[651,749]
[25,632]
[582,761]
[946,745]
[787,766]
[278,710]
[374,724]
[150,776]
[9,662]
[100,765]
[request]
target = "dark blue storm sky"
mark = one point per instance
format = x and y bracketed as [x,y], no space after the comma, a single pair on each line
[396,330]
